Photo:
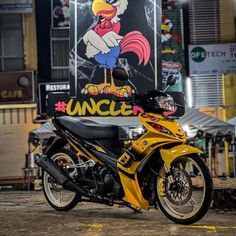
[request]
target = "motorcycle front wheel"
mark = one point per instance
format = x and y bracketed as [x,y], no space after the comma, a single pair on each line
[185,193]
[59,198]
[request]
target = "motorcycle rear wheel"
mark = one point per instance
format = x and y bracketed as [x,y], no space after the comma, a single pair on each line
[188,191]
[59,198]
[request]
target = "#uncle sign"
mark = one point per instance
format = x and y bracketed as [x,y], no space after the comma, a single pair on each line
[106,34]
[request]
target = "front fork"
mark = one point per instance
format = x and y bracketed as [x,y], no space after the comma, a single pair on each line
[160,181]
[168,157]
[163,179]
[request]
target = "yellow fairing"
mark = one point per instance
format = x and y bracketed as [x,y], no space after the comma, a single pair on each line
[169,155]
[144,147]
[128,176]
[133,194]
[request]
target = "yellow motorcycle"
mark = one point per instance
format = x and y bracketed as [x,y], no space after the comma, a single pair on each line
[92,162]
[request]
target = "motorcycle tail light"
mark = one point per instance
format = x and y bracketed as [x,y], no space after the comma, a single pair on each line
[161,129]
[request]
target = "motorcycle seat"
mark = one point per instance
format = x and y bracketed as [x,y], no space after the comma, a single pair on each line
[88,129]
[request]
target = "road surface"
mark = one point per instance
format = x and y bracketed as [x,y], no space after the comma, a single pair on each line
[27,213]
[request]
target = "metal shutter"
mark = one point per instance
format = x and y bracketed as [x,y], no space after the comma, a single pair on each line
[207,91]
[204,21]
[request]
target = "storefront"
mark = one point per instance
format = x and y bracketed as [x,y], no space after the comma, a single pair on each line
[18,67]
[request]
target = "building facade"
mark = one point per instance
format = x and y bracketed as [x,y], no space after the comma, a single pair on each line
[18,70]
[213,23]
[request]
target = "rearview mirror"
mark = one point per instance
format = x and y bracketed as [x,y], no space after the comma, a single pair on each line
[120,74]
[171,80]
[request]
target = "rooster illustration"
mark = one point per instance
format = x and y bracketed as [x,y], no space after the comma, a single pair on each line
[63,11]
[105,45]
[166,28]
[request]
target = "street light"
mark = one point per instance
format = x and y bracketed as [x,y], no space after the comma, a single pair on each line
[189,92]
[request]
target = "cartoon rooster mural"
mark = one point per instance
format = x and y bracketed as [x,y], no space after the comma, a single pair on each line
[105,45]
[63,11]
[166,28]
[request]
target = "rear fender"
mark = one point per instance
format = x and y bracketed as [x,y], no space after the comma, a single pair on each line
[56,144]
[169,155]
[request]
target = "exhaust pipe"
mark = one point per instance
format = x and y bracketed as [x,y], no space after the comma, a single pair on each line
[59,175]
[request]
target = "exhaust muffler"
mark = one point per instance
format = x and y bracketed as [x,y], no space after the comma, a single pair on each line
[59,175]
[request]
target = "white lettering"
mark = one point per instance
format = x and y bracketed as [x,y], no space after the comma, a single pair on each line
[57,87]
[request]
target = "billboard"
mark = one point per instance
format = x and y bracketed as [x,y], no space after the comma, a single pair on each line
[16,6]
[109,34]
[55,88]
[212,59]
[173,61]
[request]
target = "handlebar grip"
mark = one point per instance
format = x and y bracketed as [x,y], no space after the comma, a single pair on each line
[117,99]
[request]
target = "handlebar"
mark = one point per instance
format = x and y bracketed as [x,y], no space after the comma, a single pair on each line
[137,99]
[121,99]
[178,105]
[126,99]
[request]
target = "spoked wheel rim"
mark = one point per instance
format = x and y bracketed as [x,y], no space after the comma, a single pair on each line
[55,192]
[185,189]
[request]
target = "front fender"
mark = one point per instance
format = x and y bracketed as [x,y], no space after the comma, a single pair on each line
[169,155]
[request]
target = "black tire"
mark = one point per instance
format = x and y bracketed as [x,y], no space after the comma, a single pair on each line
[75,197]
[207,200]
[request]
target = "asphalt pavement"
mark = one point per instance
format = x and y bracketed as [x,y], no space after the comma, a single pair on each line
[25,213]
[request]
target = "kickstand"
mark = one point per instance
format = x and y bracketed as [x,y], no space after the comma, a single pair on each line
[136,210]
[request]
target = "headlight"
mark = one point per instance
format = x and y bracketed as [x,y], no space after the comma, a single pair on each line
[166,103]
[134,132]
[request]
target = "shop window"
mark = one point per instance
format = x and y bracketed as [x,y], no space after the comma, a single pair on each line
[11,42]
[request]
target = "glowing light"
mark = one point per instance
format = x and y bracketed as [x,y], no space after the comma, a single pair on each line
[186,128]
[189,92]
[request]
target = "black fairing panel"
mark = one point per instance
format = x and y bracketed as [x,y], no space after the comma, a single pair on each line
[56,144]
[112,146]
